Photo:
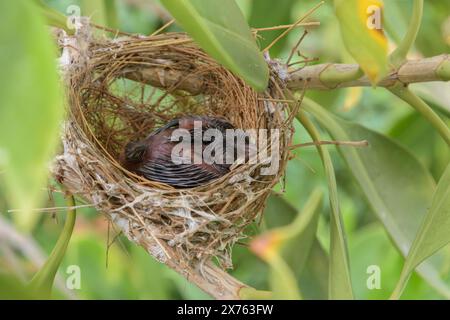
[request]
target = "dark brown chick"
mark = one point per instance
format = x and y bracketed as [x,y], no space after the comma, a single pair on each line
[151,157]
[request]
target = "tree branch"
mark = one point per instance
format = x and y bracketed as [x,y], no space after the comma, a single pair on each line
[332,76]
[327,76]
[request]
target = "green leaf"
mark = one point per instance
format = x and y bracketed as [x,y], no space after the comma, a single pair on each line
[282,280]
[303,254]
[31,104]
[42,281]
[340,285]
[53,17]
[12,288]
[399,55]
[95,10]
[219,27]
[270,245]
[424,109]
[111,14]
[371,247]
[248,293]
[265,14]
[363,38]
[433,233]
[314,277]
[435,93]
[299,235]
[296,249]
[396,185]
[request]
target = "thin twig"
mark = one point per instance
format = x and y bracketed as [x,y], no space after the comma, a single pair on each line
[303,61]
[294,49]
[277,100]
[286,26]
[165,26]
[115,31]
[285,32]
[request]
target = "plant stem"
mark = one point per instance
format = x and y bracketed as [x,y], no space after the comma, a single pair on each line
[404,277]
[337,238]
[424,109]
[42,281]
[399,55]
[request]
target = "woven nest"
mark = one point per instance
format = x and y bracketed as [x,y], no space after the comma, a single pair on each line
[121,90]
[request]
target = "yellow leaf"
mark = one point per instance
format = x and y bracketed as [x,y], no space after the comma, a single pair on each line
[361,24]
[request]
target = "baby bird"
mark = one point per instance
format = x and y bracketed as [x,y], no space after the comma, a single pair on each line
[152,157]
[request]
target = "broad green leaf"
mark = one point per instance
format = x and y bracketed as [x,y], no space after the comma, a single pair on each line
[219,27]
[396,185]
[339,281]
[31,104]
[265,14]
[433,233]
[361,28]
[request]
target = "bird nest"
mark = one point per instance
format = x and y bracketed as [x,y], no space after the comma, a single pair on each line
[119,91]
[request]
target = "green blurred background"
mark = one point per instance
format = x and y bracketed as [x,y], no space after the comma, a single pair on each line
[114,268]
